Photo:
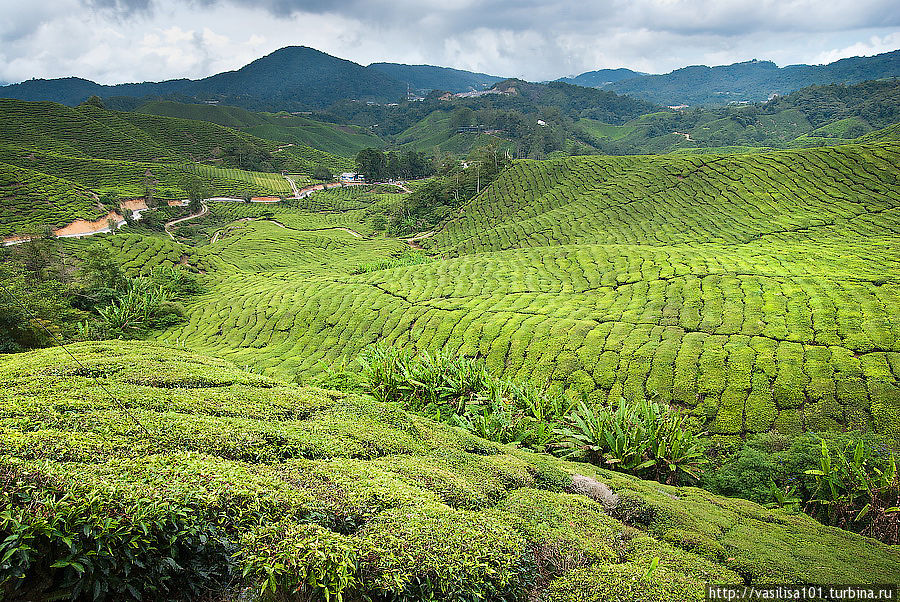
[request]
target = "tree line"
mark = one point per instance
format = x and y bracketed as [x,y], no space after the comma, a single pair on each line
[377,166]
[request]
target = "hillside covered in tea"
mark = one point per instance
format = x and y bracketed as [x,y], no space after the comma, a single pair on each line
[215,480]
[756,291]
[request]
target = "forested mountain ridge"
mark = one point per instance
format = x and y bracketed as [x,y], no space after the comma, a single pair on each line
[301,78]
[291,78]
[753,81]
[813,116]
[423,78]
[600,77]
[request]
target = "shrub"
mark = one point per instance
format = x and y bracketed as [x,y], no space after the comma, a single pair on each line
[461,391]
[747,474]
[857,488]
[143,306]
[93,546]
[642,438]
[288,558]
[322,173]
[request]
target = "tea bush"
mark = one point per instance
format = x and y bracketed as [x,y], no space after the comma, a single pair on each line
[239,486]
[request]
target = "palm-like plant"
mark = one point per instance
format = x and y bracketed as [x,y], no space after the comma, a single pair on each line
[645,438]
[853,486]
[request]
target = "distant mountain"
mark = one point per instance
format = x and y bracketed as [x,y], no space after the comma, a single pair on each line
[428,77]
[753,81]
[295,77]
[298,75]
[74,90]
[601,77]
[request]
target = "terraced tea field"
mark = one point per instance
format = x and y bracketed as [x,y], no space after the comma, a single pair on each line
[754,291]
[56,161]
[405,508]
[28,198]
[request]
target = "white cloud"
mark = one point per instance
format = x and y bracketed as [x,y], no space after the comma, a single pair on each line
[113,41]
[874,45]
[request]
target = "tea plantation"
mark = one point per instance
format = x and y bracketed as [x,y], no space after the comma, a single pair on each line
[753,291]
[29,199]
[220,479]
[57,161]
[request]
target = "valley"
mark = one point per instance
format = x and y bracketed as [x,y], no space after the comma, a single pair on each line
[405,332]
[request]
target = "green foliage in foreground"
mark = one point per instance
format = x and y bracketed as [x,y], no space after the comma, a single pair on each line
[844,479]
[461,392]
[857,491]
[644,438]
[244,481]
[48,295]
[853,485]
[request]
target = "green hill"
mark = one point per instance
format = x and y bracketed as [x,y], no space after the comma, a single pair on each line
[333,139]
[600,77]
[756,291]
[892,132]
[59,160]
[429,77]
[89,131]
[30,200]
[814,116]
[753,81]
[217,479]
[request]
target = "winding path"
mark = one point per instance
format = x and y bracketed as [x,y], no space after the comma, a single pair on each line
[204,209]
[413,241]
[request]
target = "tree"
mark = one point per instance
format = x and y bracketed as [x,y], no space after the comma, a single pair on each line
[110,200]
[371,163]
[392,168]
[28,307]
[322,173]
[41,257]
[460,117]
[150,183]
[196,191]
[98,270]
[94,101]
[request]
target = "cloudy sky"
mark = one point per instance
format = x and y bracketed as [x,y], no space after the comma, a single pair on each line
[114,41]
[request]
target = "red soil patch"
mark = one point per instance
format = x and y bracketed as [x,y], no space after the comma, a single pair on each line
[134,204]
[83,226]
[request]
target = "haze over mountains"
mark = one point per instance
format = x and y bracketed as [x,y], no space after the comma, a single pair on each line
[302,78]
